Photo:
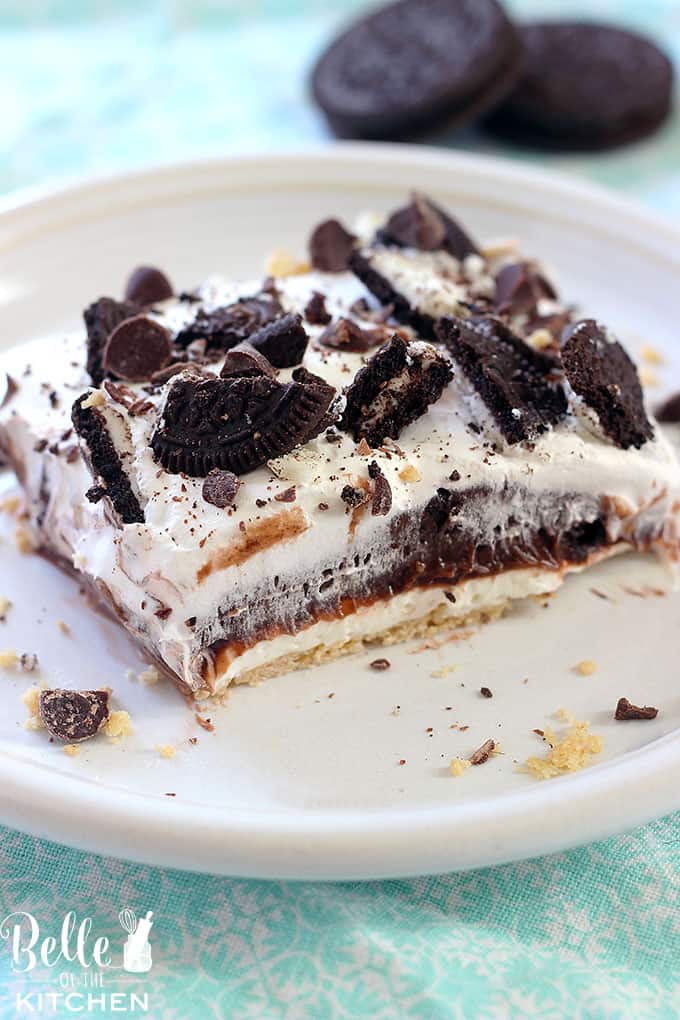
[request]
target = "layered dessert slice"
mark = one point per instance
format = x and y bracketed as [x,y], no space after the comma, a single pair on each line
[408,435]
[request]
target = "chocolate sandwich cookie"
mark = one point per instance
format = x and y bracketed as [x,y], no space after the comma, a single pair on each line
[585,86]
[414,63]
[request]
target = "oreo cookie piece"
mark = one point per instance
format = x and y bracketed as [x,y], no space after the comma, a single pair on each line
[225,327]
[147,285]
[316,312]
[104,461]
[283,342]
[345,335]
[101,318]
[331,247]
[413,64]
[423,225]
[514,380]
[73,716]
[393,389]
[600,372]
[235,424]
[136,349]
[585,86]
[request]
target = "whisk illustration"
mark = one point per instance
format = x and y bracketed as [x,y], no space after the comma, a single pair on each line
[136,951]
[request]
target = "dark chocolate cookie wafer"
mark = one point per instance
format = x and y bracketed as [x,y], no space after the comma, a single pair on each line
[394,388]
[585,86]
[104,462]
[236,423]
[225,327]
[603,376]
[513,379]
[387,294]
[414,63]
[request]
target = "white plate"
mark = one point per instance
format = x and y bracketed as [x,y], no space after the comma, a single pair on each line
[293,783]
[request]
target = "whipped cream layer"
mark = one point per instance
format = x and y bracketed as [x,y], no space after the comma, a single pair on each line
[172,579]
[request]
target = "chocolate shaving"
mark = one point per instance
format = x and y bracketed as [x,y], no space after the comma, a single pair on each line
[483,753]
[625,710]
[101,318]
[287,496]
[235,424]
[244,360]
[146,286]
[316,312]
[136,349]
[11,387]
[220,488]
[601,373]
[382,491]
[513,379]
[519,288]
[393,389]
[73,716]
[423,225]
[225,327]
[330,247]
[283,342]
[346,335]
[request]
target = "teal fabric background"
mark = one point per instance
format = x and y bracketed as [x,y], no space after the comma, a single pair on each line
[594,933]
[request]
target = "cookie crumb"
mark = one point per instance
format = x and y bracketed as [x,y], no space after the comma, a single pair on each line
[410,474]
[64,627]
[281,263]
[118,725]
[651,355]
[626,710]
[24,541]
[149,677]
[166,750]
[586,667]
[72,750]
[31,699]
[570,753]
[8,658]
[457,766]
[94,399]
[443,671]
[5,606]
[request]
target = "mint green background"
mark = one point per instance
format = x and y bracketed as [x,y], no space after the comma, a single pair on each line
[594,933]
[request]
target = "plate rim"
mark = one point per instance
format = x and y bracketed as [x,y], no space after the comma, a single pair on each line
[339,843]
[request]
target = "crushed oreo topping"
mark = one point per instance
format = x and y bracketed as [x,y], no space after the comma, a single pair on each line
[625,710]
[101,318]
[519,288]
[393,389]
[73,716]
[105,463]
[353,496]
[382,491]
[283,341]
[244,360]
[147,285]
[316,312]
[331,246]
[601,373]
[513,380]
[136,349]
[220,488]
[225,327]
[422,224]
[235,424]
[345,335]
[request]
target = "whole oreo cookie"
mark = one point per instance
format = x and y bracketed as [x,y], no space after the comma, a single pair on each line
[514,381]
[585,86]
[236,423]
[600,372]
[405,67]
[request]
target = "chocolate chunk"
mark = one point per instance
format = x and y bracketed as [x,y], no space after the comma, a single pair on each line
[483,753]
[486,692]
[147,286]
[361,309]
[283,341]
[625,710]
[601,373]
[345,335]
[331,246]
[519,288]
[136,349]
[382,491]
[73,716]
[225,327]
[101,318]
[316,312]
[104,461]
[303,375]
[244,360]
[382,288]
[668,413]
[380,664]
[394,388]
[235,424]
[422,224]
[220,487]
[585,86]
[416,64]
[513,379]
[9,389]
[354,496]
